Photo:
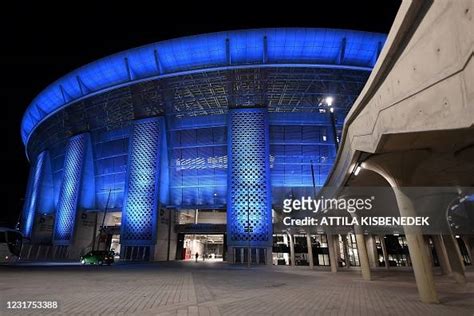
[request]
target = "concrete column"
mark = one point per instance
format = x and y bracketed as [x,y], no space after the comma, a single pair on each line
[384,251]
[363,256]
[454,258]
[372,251]
[346,251]
[310,250]
[430,252]
[418,253]
[396,170]
[467,243]
[337,249]
[332,252]
[461,257]
[292,250]
[442,254]
[441,201]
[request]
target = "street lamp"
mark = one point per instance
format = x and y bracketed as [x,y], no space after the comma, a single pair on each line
[102,229]
[328,101]
[357,170]
[214,198]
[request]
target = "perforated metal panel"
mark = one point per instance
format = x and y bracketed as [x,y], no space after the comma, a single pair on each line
[70,189]
[249,180]
[34,185]
[142,187]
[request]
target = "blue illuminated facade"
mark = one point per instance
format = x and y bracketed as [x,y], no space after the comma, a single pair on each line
[33,192]
[230,122]
[70,191]
[198,162]
[249,213]
[310,47]
[298,143]
[139,216]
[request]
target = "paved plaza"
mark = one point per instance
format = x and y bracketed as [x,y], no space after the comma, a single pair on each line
[188,288]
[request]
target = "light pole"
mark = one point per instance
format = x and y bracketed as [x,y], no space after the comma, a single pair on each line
[329,101]
[103,222]
[313,177]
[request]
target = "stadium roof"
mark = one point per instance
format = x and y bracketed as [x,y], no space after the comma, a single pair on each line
[277,47]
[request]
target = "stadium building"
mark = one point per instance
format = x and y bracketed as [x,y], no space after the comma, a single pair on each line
[190,145]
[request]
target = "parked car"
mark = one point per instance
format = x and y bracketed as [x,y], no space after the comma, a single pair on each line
[98,257]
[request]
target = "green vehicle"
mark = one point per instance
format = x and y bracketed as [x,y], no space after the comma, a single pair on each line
[98,257]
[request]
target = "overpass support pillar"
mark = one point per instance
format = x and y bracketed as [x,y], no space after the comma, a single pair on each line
[384,251]
[292,249]
[310,250]
[397,169]
[363,256]
[442,254]
[439,201]
[469,242]
[332,251]
[454,257]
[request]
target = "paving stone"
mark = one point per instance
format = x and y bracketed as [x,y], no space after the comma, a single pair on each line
[210,289]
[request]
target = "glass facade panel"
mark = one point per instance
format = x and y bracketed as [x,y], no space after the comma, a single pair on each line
[111,152]
[293,149]
[198,167]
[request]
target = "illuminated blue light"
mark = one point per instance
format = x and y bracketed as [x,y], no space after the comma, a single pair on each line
[70,189]
[297,141]
[247,47]
[46,203]
[192,52]
[87,196]
[249,196]
[139,216]
[34,186]
[204,52]
[57,165]
[198,164]
[111,152]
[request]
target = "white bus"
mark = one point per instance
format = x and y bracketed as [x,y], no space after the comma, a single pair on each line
[11,241]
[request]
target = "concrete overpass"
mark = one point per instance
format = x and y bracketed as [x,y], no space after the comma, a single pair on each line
[412,125]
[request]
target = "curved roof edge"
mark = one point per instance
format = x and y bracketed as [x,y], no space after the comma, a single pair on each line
[233,49]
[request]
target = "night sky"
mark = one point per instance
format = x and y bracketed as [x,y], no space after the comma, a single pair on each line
[42,43]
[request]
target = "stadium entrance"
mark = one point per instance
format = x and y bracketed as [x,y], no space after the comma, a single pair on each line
[201,231]
[208,247]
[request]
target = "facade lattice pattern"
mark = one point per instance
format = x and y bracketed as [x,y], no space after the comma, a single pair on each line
[139,213]
[249,187]
[232,121]
[70,189]
[32,196]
